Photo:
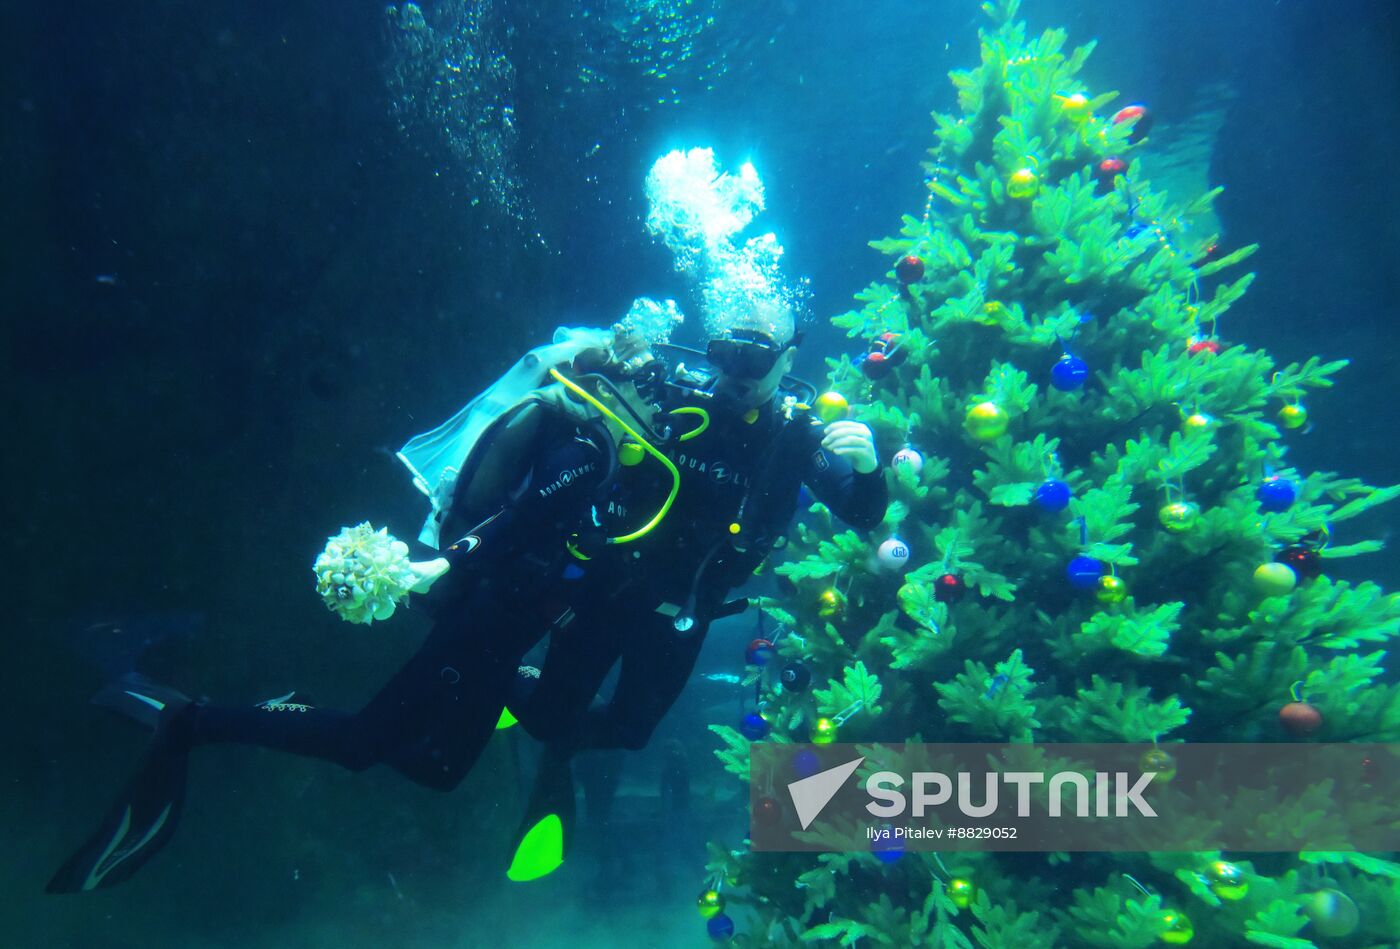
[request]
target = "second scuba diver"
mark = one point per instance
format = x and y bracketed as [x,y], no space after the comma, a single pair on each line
[613,511]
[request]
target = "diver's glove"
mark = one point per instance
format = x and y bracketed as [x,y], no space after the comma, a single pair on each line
[853,441]
[363,574]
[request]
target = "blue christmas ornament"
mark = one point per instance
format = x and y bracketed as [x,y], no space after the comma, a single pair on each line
[806,763]
[1276,495]
[720,928]
[1069,373]
[754,727]
[1084,573]
[886,848]
[1052,495]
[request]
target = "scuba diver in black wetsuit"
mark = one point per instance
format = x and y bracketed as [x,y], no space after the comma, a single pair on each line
[563,557]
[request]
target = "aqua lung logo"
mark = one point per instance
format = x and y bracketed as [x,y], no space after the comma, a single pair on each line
[565,478]
[719,472]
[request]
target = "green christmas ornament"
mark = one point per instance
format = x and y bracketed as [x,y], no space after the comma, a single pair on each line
[1111,590]
[1176,927]
[823,731]
[1274,579]
[1179,516]
[832,406]
[710,903]
[1227,880]
[962,892]
[1159,762]
[831,603]
[1293,415]
[1333,913]
[1198,422]
[986,421]
[1075,107]
[1023,184]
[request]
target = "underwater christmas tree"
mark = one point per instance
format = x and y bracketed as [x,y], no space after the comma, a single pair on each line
[1094,536]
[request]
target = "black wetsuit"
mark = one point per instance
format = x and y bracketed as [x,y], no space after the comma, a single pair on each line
[648,602]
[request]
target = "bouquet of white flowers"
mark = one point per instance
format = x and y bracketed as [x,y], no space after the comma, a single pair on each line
[363,574]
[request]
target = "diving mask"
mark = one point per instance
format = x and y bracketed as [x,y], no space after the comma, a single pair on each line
[746,354]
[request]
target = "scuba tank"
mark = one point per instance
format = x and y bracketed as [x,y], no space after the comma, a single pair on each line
[466,465]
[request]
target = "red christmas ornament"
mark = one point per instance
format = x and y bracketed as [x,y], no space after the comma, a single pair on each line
[1144,121]
[1106,170]
[1210,252]
[1196,346]
[1305,562]
[949,588]
[1300,719]
[875,365]
[768,811]
[888,344]
[759,652]
[909,270]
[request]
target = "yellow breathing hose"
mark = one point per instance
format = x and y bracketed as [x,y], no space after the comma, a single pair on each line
[646,528]
[693,410]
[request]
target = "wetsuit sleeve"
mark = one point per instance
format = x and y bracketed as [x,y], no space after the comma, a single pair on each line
[858,499]
[551,501]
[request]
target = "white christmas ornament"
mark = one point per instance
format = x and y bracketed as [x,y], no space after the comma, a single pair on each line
[893,554]
[910,457]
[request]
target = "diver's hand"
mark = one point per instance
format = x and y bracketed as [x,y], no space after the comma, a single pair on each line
[854,442]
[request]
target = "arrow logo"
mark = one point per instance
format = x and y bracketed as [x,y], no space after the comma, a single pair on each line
[813,793]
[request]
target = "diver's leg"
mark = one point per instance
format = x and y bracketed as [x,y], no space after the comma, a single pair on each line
[579,657]
[556,712]
[429,722]
[656,664]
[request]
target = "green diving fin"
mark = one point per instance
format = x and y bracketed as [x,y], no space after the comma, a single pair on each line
[544,836]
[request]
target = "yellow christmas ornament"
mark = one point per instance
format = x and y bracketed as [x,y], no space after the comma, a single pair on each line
[1293,415]
[1179,516]
[1111,589]
[710,903]
[993,308]
[823,731]
[1023,184]
[1158,762]
[1075,107]
[630,453]
[1274,579]
[1198,422]
[1227,880]
[986,421]
[832,406]
[962,892]
[1176,927]
[830,603]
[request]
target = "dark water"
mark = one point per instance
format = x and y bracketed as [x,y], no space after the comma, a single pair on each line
[235,284]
